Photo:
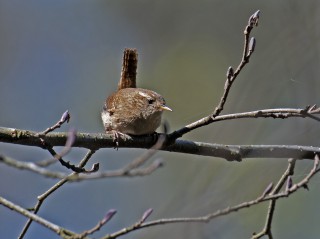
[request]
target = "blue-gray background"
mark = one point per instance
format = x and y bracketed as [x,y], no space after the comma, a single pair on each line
[58,55]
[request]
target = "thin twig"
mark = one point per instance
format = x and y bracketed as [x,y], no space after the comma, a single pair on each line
[280,113]
[267,228]
[64,118]
[122,172]
[42,197]
[231,76]
[207,218]
[31,167]
[46,162]
[302,184]
[32,216]
[147,155]
[67,147]
[68,165]
[100,224]
[248,49]
[203,219]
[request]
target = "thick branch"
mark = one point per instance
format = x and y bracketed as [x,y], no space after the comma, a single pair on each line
[98,140]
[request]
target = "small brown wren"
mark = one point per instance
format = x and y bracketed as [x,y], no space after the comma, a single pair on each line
[133,111]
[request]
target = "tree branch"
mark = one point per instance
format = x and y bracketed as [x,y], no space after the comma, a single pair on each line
[127,171]
[97,141]
[265,196]
[53,227]
[248,49]
[42,197]
[272,205]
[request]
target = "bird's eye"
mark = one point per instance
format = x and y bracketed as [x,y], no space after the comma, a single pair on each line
[150,101]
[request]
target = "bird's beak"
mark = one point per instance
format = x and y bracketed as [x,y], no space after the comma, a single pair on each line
[164,107]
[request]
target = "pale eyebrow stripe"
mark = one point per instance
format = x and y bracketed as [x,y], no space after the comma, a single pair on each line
[143,94]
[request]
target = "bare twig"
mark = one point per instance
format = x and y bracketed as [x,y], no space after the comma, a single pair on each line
[31,167]
[32,216]
[248,48]
[74,168]
[64,118]
[302,184]
[147,155]
[100,224]
[207,218]
[42,197]
[281,113]
[135,226]
[267,228]
[46,162]
[125,171]
[67,147]
[69,143]
[247,52]
[122,172]
[203,219]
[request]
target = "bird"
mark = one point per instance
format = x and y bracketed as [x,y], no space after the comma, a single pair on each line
[133,111]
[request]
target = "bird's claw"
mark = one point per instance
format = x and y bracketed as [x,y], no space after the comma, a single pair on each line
[116,135]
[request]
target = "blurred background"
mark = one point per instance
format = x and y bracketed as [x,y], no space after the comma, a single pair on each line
[59,55]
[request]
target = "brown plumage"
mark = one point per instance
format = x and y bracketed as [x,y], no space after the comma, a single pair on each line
[129,69]
[133,111]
